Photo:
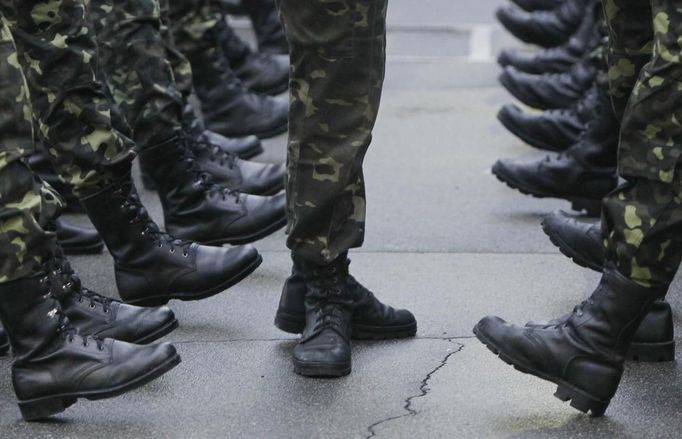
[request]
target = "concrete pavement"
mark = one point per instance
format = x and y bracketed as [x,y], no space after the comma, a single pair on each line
[444,238]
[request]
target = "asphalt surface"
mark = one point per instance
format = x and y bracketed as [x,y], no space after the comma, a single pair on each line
[444,239]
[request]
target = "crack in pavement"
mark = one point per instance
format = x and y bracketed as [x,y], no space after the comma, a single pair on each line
[423,391]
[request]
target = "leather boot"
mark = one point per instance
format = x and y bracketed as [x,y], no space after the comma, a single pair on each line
[583,355]
[229,108]
[561,58]
[260,72]
[551,130]
[153,267]
[265,19]
[325,346]
[537,5]
[371,318]
[544,28]
[579,239]
[54,365]
[77,240]
[99,316]
[197,209]
[245,147]
[40,163]
[4,342]
[583,174]
[554,90]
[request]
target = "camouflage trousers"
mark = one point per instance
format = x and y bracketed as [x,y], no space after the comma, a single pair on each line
[338,54]
[47,81]
[642,219]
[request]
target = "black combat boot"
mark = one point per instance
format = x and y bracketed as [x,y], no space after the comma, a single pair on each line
[244,147]
[583,354]
[371,318]
[561,58]
[263,73]
[197,209]
[54,365]
[40,163]
[229,108]
[554,90]
[537,5]
[99,316]
[325,346]
[4,342]
[583,174]
[551,130]
[153,267]
[544,28]
[77,240]
[265,19]
[579,239]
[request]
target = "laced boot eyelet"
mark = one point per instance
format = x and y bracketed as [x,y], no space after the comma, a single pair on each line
[172,250]
[185,254]
[92,306]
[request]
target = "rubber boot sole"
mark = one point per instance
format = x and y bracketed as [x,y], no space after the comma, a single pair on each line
[148,184]
[41,408]
[189,297]
[293,325]
[250,238]
[579,399]
[322,370]
[568,251]
[590,205]
[521,134]
[158,334]
[272,132]
[84,250]
[652,352]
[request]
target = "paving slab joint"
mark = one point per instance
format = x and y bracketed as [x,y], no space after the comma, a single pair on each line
[423,390]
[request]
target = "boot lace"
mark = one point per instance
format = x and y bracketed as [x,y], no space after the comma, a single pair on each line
[216,154]
[329,298]
[64,327]
[139,215]
[71,282]
[186,143]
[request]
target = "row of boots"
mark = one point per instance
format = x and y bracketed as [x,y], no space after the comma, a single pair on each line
[572,118]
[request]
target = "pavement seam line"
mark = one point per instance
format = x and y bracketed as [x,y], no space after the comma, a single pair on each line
[246,340]
[423,390]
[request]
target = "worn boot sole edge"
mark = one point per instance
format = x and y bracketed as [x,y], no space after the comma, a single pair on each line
[41,408]
[534,142]
[580,400]
[247,239]
[292,325]
[591,206]
[568,251]
[159,333]
[322,370]
[162,300]
[652,352]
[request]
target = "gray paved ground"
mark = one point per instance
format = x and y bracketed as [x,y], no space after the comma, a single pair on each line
[444,239]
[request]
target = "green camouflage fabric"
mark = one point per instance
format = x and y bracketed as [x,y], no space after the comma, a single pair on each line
[643,218]
[337,70]
[58,55]
[137,69]
[182,69]
[631,45]
[26,204]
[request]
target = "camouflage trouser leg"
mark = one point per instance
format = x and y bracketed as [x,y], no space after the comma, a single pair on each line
[643,219]
[337,72]
[630,46]
[182,69]
[138,72]
[26,205]
[58,55]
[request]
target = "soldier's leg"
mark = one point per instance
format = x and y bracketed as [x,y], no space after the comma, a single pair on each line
[337,72]
[630,46]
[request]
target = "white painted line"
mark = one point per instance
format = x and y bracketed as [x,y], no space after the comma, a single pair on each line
[480,43]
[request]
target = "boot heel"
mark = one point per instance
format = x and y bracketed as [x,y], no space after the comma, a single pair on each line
[44,408]
[652,352]
[288,324]
[581,401]
[591,207]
